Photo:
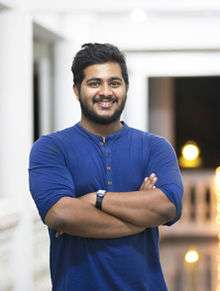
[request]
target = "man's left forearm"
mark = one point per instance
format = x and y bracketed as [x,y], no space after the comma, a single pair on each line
[143,208]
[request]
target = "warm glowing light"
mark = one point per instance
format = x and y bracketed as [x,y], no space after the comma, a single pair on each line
[191,256]
[190,155]
[138,15]
[190,151]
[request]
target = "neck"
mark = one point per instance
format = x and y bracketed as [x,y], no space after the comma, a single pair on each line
[99,129]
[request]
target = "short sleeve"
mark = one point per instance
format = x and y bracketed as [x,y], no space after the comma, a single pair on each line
[49,177]
[163,162]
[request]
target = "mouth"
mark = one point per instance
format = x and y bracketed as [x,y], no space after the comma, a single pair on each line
[105,104]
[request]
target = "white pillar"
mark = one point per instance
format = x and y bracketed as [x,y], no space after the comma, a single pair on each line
[45,96]
[67,109]
[136,111]
[16,137]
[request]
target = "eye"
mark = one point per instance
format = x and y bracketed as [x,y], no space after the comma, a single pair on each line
[94,84]
[115,84]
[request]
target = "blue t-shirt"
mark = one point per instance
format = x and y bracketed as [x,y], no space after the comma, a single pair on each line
[73,162]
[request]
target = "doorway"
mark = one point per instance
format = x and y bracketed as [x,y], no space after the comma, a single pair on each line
[186,109]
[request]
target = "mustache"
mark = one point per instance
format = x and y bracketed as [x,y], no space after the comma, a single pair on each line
[104,98]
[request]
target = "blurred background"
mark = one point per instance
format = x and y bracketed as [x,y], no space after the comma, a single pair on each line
[173,55]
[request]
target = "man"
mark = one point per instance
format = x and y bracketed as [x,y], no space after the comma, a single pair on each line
[89,184]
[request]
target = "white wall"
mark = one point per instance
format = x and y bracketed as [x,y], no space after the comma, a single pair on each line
[182,32]
[16,138]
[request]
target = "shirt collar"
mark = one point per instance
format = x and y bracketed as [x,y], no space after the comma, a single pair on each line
[114,136]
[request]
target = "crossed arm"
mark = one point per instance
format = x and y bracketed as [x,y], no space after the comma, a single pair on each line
[123,213]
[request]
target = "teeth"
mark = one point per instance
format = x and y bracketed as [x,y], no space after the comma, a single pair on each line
[106,104]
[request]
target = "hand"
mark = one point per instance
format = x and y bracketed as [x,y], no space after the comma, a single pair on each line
[149,183]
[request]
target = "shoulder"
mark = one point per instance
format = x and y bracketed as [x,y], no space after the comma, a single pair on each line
[152,144]
[138,134]
[159,141]
[63,135]
[57,136]
[159,145]
[149,137]
[54,142]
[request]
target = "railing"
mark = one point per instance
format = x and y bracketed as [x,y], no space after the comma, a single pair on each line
[198,230]
[199,206]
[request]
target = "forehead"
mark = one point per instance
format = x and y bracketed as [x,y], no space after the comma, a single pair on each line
[103,71]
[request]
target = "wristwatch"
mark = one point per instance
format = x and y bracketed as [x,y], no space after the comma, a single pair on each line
[100,194]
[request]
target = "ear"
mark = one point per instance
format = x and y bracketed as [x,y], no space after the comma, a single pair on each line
[76,91]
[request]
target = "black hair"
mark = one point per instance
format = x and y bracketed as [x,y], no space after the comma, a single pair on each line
[97,53]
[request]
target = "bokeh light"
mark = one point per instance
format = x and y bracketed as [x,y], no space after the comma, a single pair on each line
[190,155]
[191,256]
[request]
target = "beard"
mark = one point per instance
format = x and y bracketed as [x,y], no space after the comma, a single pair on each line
[91,115]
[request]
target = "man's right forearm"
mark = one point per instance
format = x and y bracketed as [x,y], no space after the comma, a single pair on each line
[76,217]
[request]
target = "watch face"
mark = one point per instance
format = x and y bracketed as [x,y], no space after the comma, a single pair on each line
[101,193]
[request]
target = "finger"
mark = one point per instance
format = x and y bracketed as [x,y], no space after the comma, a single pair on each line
[142,185]
[152,175]
[152,181]
[147,183]
[152,178]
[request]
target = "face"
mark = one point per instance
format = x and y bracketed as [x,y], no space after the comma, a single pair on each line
[103,93]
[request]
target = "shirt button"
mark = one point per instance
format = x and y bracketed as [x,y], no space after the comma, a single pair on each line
[108,168]
[109,182]
[101,143]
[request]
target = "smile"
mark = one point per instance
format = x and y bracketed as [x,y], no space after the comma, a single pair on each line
[106,104]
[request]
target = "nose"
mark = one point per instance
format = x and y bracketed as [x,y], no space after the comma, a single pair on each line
[105,90]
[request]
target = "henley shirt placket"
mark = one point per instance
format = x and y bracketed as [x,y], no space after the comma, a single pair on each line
[106,148]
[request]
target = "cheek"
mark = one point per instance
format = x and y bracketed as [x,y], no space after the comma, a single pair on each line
[121,94]
[87,95]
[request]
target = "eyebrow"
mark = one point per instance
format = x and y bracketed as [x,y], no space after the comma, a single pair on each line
[100,79]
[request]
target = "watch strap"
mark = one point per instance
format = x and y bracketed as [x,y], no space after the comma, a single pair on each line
[100,194]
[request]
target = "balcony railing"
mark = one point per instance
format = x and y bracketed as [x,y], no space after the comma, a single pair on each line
[199,207]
